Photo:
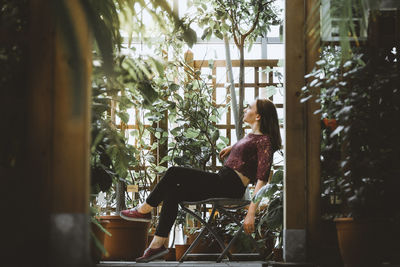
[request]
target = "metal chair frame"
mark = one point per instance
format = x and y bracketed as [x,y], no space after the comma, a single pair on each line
[223,206]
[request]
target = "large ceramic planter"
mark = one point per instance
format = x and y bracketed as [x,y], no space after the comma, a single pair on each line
[363,243]
[128,240]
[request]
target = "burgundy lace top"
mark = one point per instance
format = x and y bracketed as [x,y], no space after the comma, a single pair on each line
[252,157]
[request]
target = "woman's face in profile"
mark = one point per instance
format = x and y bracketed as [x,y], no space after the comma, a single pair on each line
[250,113]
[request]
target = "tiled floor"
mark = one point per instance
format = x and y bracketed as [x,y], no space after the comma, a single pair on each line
[184,264]
[210,264]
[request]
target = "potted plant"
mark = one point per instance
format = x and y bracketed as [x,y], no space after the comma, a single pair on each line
[361,94]
[112,158]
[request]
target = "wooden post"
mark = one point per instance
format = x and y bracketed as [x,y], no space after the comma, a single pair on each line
[295,213]
[59,134]
[313,182]
[302,148]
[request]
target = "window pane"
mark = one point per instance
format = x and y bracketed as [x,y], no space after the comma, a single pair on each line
[249,95]
[275,51]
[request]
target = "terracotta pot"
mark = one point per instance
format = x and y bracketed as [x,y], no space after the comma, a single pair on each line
[128,240]
[363,243]
[180,250]
[95,252]
[171,256]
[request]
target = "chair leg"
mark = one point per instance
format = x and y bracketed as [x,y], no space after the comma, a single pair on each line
[206,226]
[230,244]
[193,245]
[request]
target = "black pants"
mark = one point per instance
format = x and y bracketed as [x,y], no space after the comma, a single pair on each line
[186,184]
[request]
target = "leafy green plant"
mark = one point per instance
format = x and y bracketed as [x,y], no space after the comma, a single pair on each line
[196,134]
[364,99]
[112,157]
[327,88]
[271,220]
[227,229]
[124,82]
[185,101]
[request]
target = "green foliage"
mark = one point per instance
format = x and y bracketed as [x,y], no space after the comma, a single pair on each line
[128,81]
[264,236]
[104,20]
[273,215]
[112,157]
[182,98]
[196,134]
[360,155]
[243,21]
[192,115]
[246,18]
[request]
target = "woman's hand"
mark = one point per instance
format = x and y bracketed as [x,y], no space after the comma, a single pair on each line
[225,152]
[248,224]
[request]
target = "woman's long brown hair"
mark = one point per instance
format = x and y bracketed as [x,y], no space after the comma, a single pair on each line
[269,123]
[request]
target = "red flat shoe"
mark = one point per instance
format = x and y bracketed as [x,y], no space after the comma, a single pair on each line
[152,254]
[135,215]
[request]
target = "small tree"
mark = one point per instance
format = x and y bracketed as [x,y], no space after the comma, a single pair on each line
[242,20]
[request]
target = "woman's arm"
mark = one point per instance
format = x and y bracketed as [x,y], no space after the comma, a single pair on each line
[250,217]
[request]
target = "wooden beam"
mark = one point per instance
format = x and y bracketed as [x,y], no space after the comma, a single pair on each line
[255,84]
[302,149]
[235,63]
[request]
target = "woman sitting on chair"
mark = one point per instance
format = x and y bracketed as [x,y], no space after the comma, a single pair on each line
[248,161]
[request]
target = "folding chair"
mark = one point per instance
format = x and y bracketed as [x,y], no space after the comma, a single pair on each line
[224,206]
